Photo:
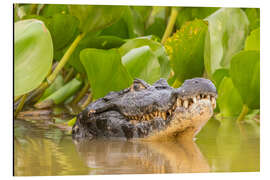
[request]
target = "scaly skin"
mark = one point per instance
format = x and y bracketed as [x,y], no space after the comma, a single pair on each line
[155,111]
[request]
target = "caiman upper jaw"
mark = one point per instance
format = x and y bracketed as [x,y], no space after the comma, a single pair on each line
[194,87]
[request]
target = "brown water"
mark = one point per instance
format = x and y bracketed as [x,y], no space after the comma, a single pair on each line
[219,147]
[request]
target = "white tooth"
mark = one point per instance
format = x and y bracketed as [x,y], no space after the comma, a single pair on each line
[164,115]
[194,99]
[198,97]
[214,104]
[170,111]
[186,103]
[178,103]
[208,97]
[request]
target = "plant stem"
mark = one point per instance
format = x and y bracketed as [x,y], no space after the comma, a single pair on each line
[69,75]
[34,8]
[170,25]
[87,101]
[243,113]
[17,98]
[65,58]
[81,93]
[20,106]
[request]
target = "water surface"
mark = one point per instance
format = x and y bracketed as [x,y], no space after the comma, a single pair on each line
[219,147]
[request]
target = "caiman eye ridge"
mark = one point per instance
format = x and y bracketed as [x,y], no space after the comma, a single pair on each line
[185,102]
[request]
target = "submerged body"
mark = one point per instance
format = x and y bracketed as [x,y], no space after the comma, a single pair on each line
[149,111]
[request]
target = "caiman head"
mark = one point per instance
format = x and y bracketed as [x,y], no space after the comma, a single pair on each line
[152,111]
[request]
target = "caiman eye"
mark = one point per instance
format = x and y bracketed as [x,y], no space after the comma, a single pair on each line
[137,87]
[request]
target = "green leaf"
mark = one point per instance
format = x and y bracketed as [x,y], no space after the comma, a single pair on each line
[105,71]
[190,13]
[219,75]
[118,29]
[185,49]
[253,15]
[63,28]
[156,23]
[92,41]
[245,74]
[96,17]
[142,11]
[156,48]
[51,9]
[229,99]
[227,31]
[72,121]
[253,40]
[33,55]
[142,63]
[129,26]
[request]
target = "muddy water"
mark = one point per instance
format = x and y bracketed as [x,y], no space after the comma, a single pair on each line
[219,147]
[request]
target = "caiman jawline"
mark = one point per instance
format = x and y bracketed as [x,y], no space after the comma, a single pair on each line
[185,102]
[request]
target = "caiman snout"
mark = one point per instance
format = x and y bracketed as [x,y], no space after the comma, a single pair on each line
[194,87]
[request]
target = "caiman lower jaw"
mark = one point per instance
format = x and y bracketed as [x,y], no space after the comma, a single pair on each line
[186,121]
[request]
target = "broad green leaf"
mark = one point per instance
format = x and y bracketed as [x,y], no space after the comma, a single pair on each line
[96,17]
[253,15]
[229,100]
[129,26]
[190,13]
[245,74]
[156,23]
[253,40]
[72,121]
[142,63]
[51,9]
[185,49]
[33,55]
[135,24]
[157,49]
[105,71]
[143,11]
[91,41]
[118,29]
[219,75]
[227,31]
[63,28]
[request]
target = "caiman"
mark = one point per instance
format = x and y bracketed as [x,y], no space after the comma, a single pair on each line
[149,111]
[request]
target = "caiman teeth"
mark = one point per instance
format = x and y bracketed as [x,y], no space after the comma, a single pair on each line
[185,103]
[163,114]
[170,111]
[194,99]
[178,102]
[213,101]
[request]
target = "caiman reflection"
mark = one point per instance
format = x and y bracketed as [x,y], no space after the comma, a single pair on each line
[111,157]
